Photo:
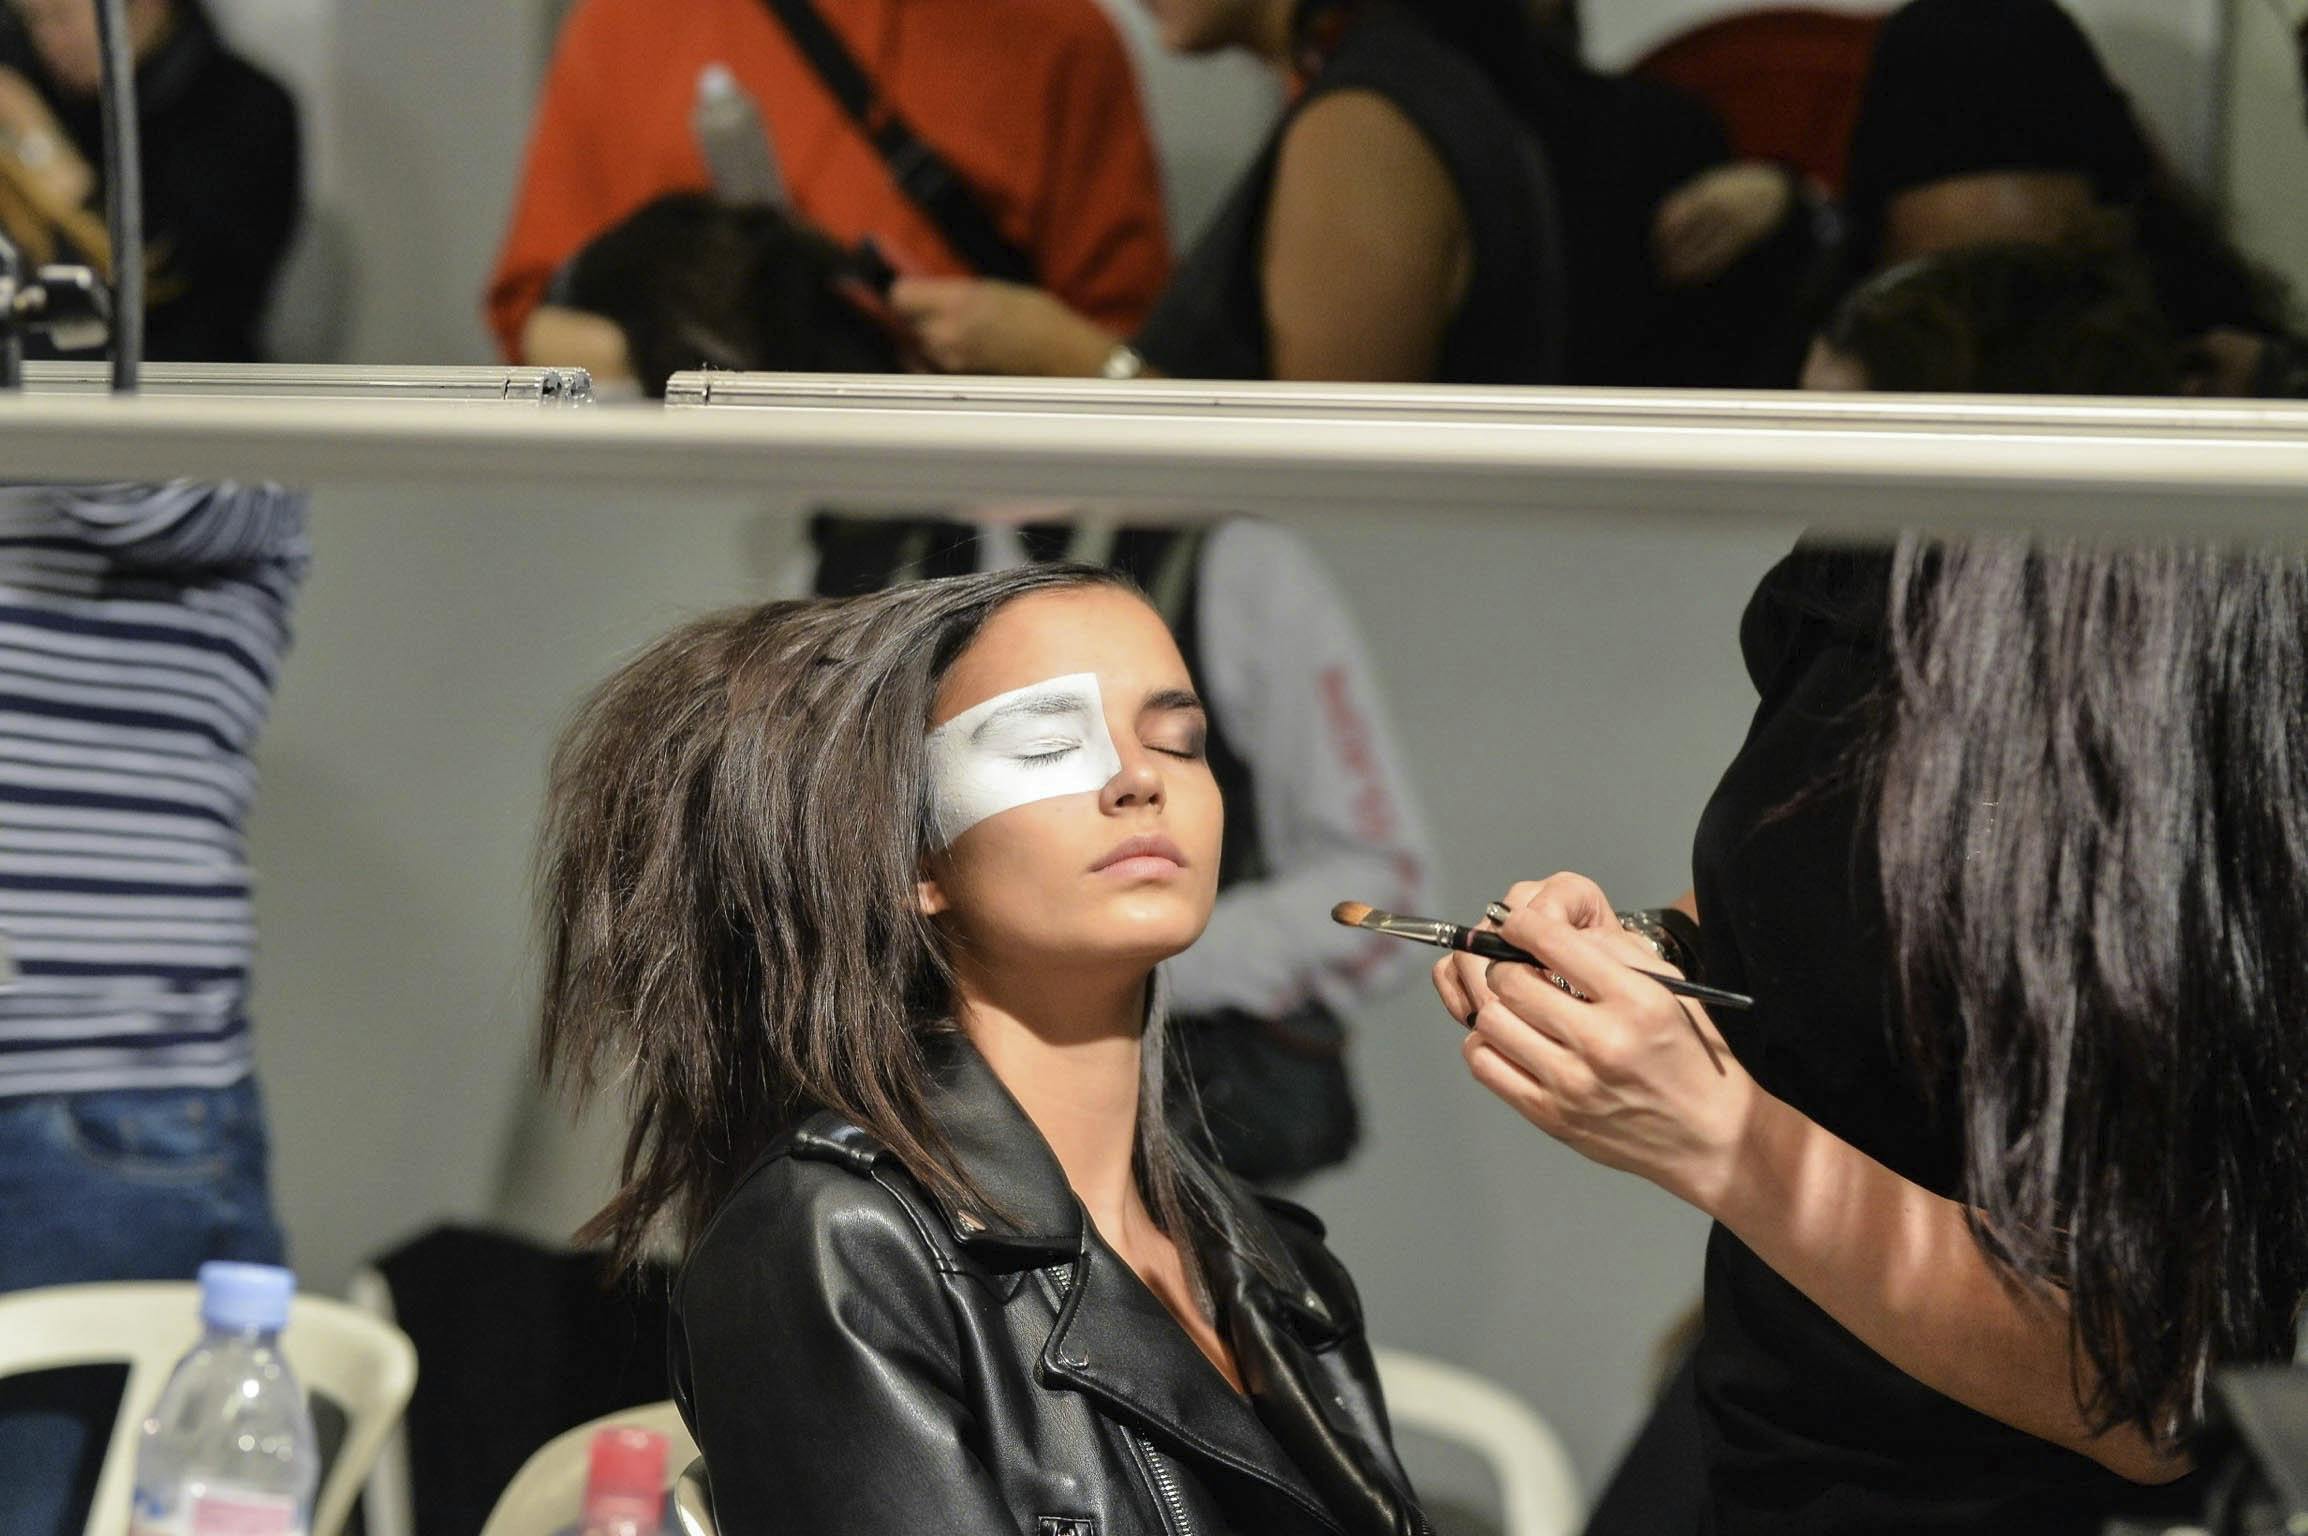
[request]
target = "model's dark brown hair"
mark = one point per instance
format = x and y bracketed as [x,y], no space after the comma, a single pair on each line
[735,828]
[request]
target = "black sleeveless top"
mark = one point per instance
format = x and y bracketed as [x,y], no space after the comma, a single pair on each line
[1211,321]
[1808,1431]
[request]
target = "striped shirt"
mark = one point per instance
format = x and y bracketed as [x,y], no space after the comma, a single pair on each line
[141,631]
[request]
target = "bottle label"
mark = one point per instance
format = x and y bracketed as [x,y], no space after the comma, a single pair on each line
[226,1512]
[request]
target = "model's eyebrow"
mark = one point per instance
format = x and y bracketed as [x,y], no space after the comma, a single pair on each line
[1042,706]
[1170,700]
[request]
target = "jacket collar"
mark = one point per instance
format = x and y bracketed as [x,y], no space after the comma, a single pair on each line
[1036,1219]
[1033,1218]
[1113,1339]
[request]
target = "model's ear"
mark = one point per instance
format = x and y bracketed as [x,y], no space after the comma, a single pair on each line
[930,895]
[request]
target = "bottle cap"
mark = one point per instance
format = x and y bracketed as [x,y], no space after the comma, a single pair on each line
[627,1474]
[241,1296]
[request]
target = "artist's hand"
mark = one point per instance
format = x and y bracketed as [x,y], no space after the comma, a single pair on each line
[1715,218]
[977,325]
[30,133]
[1625,1073]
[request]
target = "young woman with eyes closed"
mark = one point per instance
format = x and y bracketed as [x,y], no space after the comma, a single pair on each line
[864,899]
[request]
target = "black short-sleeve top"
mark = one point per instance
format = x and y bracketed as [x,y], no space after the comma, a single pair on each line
[1211,322]
[1807,1430]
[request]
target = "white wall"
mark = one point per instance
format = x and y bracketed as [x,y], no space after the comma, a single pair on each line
[2266,138]
[1565,695]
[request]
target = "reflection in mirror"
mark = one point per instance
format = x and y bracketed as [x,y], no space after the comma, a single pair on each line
[1458,196]
[1645,192]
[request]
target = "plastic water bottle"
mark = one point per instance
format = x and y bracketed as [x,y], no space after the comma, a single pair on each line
[624,1485]
[230,1449]
[739,157]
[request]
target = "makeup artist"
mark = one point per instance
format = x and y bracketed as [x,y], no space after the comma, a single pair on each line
[2012,1151]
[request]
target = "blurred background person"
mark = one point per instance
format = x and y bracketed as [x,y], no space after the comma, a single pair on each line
[1986,121]
[1451,196]
[141,634]
[1399,224]
[1005,136]
[220,156]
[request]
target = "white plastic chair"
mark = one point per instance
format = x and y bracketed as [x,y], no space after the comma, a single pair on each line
[365,1367]
[545,1494]
[388,1503]
[693,1502]
[1538,1490]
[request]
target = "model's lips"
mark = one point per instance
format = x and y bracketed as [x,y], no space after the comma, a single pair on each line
[1144,855]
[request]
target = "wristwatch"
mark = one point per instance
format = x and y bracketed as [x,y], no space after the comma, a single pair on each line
[1669,931]
[37,150]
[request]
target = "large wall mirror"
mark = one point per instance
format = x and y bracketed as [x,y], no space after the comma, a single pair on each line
[1586,192]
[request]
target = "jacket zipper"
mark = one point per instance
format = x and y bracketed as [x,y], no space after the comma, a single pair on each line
[1165,1487]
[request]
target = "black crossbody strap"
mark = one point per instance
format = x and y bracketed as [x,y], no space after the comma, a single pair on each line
[921,173]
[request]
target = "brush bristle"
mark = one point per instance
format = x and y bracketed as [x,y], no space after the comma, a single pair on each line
[1352,914]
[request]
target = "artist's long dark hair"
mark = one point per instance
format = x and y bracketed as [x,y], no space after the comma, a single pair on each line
[2094,839]
[734,831]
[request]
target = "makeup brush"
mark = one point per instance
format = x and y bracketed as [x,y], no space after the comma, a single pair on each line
[1475,941]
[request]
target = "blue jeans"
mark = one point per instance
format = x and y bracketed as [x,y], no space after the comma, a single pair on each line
[137,1184]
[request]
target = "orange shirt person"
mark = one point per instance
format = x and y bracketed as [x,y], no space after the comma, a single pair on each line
[1032,101]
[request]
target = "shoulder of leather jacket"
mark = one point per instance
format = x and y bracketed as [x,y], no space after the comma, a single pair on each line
[827,1137]
[817,1169]
[845,1166]
[1292,1211]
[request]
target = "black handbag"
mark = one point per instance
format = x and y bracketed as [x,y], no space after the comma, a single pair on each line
[1275,1096]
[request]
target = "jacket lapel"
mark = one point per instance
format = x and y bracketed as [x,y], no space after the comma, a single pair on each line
[1116,1342]
[1280,1325]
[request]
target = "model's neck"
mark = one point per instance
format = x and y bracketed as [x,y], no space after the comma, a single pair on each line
[1067,1048]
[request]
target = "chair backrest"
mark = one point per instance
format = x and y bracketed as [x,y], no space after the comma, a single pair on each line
[544,1495]
[693,1502]
[366,1367]
[1786,81]
[1538,1490]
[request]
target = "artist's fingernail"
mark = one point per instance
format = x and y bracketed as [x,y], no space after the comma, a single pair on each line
[1498,912]
[1473,1014]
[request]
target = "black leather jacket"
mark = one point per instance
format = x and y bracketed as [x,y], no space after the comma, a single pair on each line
[855,1356]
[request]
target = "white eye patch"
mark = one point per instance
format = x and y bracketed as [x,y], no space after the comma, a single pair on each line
[1033,743]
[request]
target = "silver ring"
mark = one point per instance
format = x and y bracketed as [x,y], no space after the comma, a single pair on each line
[1564,985]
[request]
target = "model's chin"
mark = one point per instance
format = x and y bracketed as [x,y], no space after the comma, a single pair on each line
[1151,924]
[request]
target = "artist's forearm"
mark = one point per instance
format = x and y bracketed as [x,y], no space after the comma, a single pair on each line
[1898,1266]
